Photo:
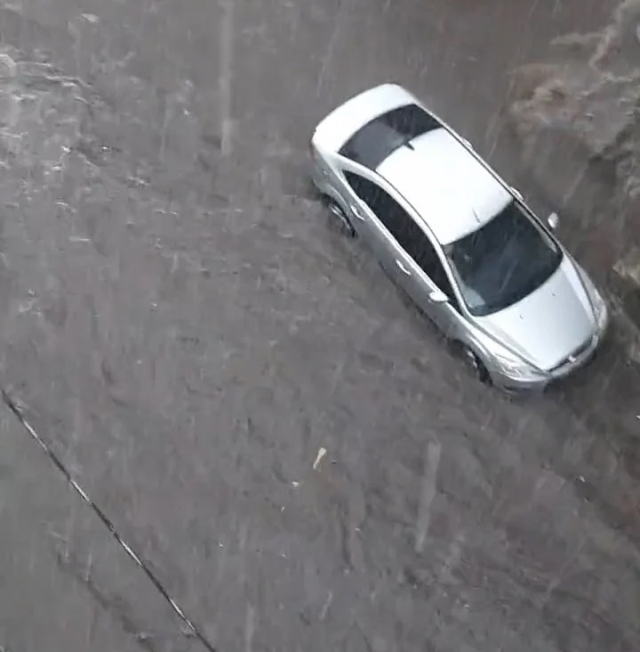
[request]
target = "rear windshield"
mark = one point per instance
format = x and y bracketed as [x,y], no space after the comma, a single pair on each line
[371,144]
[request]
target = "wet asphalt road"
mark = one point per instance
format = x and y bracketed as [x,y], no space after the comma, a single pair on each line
[181,320]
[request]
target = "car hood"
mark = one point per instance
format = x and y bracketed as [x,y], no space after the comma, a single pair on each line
[549,324]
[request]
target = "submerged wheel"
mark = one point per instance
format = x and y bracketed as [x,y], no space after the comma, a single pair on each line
[345,223]
[475,364]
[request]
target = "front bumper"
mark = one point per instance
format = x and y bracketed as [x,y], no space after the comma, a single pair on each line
[510,384]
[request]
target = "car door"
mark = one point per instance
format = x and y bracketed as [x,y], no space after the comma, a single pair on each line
[425,273]
[363,209]
[408,256]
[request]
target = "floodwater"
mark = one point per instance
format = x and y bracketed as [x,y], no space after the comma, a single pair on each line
[186,328]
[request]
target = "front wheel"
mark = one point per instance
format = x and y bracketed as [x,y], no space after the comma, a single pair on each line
[475,364]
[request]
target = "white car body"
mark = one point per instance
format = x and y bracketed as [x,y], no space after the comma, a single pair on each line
[426,204]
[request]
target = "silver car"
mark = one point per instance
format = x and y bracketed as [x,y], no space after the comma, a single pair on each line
[459,240]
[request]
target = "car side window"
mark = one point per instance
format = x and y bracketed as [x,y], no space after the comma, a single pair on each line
[440,278]
[386,209]
[423,252]
[403,228]
[365,189]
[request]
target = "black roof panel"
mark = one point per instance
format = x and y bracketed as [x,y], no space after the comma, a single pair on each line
[374,142]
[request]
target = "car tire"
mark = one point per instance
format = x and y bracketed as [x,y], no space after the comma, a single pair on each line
[475,364]
[343,220]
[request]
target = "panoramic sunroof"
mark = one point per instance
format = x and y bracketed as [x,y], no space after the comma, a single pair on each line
[374,142]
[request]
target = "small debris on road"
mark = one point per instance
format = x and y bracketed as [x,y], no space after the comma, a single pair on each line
[321,453]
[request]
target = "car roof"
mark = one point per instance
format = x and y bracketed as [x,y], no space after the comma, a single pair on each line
[451,190]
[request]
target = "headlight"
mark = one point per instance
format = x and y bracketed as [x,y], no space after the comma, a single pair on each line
[516,368]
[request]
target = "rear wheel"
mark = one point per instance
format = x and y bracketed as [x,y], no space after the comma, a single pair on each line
[337,211]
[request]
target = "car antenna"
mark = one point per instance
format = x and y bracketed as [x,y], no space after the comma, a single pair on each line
[406,142]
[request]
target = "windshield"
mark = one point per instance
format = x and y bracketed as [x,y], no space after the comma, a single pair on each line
[503,261]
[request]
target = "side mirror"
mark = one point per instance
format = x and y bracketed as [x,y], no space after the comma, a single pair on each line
[553,220]
[438,296]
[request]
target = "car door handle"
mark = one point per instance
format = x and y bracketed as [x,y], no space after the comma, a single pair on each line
[403,267]
[355,210]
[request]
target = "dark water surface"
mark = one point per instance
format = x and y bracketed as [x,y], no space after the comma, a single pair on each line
[181,321]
